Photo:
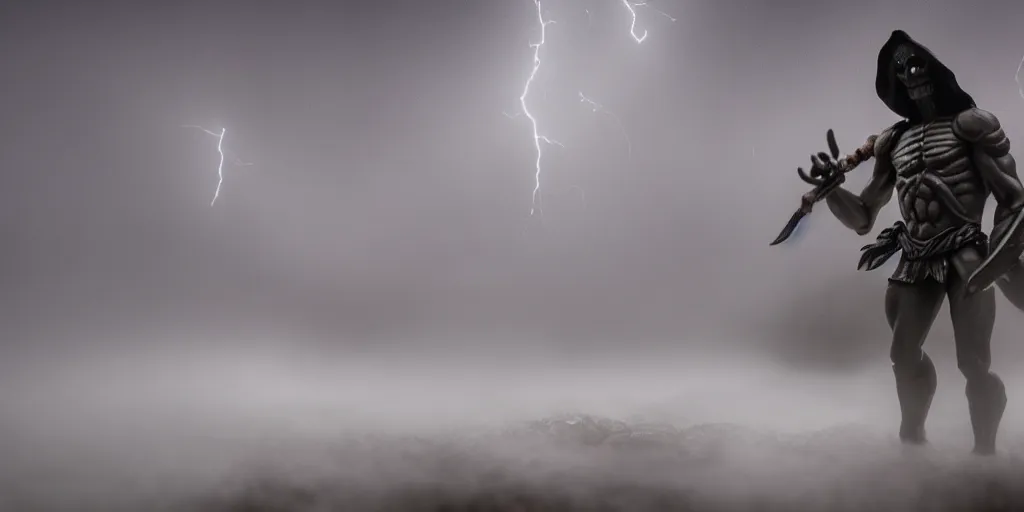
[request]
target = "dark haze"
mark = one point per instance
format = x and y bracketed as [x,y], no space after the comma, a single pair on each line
[377,267]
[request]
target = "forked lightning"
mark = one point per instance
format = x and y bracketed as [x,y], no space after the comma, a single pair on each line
[221,152]
[539,139]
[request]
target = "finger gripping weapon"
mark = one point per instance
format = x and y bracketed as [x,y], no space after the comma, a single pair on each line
[827,173]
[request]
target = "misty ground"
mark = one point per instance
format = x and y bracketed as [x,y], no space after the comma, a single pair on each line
[267,432]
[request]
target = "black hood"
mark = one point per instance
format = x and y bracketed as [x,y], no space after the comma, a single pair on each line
[949,98]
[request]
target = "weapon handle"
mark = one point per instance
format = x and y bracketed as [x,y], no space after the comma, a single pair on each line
[859,156]
[824,187]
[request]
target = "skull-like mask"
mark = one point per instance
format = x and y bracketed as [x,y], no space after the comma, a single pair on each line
[912,70]
[915,84]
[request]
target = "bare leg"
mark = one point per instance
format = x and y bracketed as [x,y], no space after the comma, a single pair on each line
[973,318]
[911,309]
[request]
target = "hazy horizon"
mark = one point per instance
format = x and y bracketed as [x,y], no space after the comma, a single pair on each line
[377,265]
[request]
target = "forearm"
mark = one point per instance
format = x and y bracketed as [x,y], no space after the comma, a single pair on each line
[1004,218]
[851,210]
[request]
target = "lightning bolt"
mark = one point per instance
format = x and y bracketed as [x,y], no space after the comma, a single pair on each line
[1016,78]
[599,108]
[222,153]
[538,139]
[663,13]
[639,38]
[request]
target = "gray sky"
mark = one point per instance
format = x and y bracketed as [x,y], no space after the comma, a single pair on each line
[378,264]
[389,198]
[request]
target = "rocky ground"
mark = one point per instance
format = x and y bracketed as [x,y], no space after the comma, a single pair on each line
[264,441]
[587,463]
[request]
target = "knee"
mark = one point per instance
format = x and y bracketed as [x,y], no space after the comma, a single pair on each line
[906,356]
[974,369]
[911,363]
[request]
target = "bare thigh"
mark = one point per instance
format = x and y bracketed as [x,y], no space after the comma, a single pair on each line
[911,310]
[973,317]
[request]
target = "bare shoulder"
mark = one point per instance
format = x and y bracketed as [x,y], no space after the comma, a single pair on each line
[975,124]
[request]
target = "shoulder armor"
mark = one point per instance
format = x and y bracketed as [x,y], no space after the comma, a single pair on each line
[975,124]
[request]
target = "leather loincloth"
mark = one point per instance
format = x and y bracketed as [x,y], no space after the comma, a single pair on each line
[921,259]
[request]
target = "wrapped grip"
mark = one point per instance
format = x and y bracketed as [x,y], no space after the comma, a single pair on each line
[859,156]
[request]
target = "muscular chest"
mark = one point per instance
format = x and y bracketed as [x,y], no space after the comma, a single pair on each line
[936,180]
[931,148]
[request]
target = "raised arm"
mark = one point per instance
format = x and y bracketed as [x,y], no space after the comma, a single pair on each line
[991,156]
[859,211]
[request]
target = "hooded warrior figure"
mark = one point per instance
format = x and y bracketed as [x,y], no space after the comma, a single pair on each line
[942,160]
